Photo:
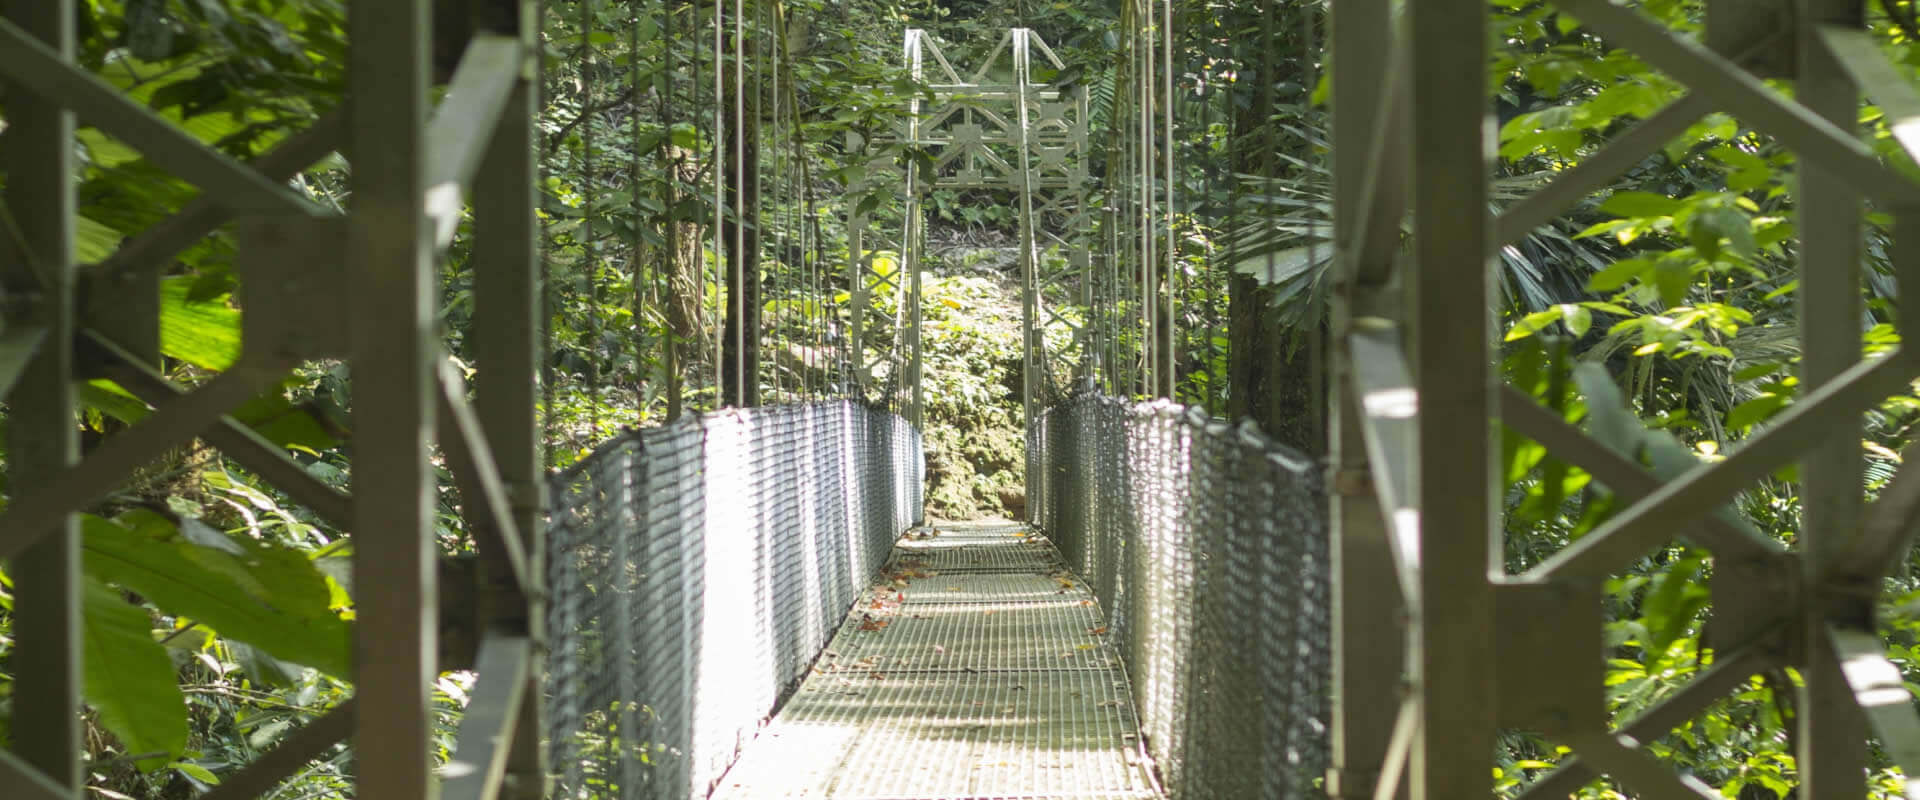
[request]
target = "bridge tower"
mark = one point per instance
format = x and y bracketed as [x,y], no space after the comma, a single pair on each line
[1416,508]
[996,128]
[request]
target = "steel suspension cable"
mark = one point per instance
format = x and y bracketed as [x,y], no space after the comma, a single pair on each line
[636,259]
[737,261]
[590,196]
[549,305]
[719,204]
[1169,380]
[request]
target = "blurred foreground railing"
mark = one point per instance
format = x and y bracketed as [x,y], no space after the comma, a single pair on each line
[696,570]
[1207,545]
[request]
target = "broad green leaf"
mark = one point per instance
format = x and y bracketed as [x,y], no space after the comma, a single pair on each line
[93,241]
[1758,371]
[1619,274]
[1280,267]
[1673,602]
[270,597]
[1755,411]
[1640,204]
[129,679]
[1611,420]
[1577,319]
[204,334]
[195,771]
[115,402]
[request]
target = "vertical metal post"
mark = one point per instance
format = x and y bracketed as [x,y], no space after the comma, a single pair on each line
[719,202]
[1143,129]
[1034,340]
[1456,481]
[42,439]
[911,242]
[744,386]
[1368,652]
[1168,372]
[393,413]
[1832,733]
[506,264]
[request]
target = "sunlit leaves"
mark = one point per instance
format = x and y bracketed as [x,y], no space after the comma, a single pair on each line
[270,597]
[129,679]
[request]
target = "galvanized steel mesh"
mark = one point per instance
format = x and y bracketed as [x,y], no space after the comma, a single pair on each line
[695,571]
[1207,545]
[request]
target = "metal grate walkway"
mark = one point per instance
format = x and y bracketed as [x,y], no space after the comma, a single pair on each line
[976,668]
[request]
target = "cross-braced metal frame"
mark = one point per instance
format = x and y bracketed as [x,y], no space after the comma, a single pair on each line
[996,128]
[360,287]
[1416,504]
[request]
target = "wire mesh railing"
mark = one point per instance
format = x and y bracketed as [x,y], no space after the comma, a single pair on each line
[1207,545]
[696,570]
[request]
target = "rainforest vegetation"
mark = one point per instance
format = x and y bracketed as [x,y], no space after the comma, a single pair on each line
[1662,310]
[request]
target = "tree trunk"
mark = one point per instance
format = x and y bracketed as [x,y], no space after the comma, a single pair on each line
[740,342]
[1273,374]
[1271,379]
[687,334]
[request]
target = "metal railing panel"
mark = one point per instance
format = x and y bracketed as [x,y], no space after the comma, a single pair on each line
[1206,544]
[697,570]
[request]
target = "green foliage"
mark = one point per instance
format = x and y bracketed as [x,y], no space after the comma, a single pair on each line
[270,597]
[129,680]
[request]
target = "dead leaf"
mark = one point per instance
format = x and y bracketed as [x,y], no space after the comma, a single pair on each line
[1100,631]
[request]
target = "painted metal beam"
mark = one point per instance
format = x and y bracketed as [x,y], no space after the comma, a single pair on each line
[490,517]
[394,341]
[506,349]
[17,774]
[464,124]
[1368,662]
[42,440]
[492,715]
[1457,480]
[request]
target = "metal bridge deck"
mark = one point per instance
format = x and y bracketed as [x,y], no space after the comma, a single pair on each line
[976,668]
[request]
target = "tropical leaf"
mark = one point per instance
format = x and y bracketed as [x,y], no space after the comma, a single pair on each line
[129,680]
[270,597]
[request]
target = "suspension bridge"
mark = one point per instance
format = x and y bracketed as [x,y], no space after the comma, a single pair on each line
[748,603]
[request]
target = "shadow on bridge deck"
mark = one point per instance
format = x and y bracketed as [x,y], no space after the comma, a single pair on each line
[976,667]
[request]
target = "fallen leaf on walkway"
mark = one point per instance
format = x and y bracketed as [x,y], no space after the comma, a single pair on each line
[877,676]
[1100,631]
[1083,647]
[871,624]
[953,588]
[938,650]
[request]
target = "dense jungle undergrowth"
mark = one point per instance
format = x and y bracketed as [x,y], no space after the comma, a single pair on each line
[975,441]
